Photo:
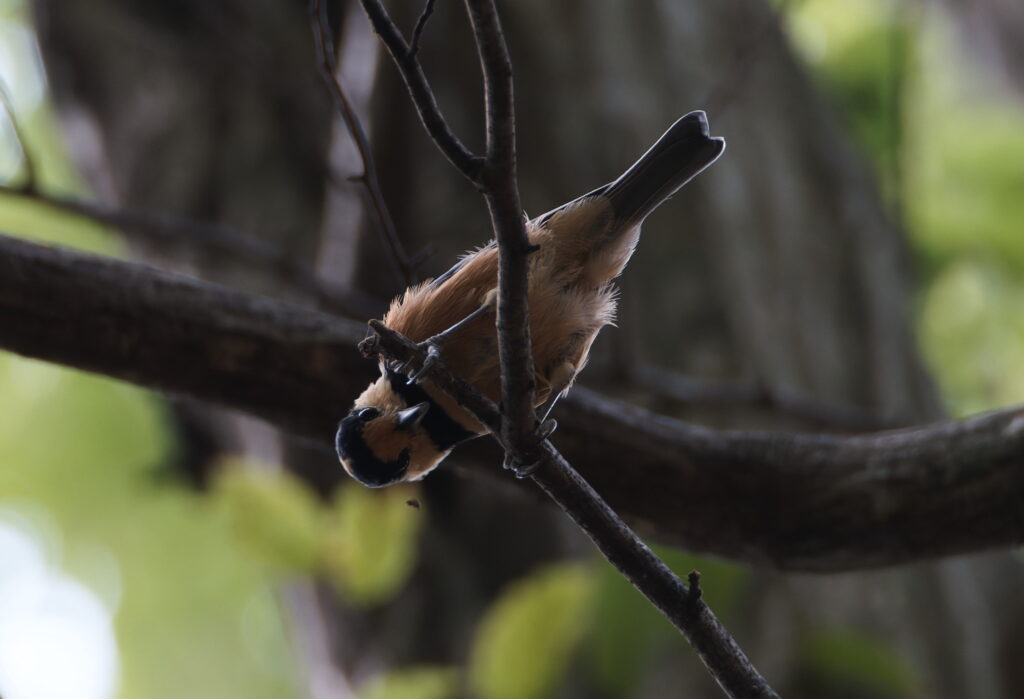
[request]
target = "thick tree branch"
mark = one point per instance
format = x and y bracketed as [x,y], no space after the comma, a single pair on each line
[178,334]
[791,501]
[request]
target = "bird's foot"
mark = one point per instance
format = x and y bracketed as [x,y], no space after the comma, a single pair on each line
[433,355]
[547,428]
[520,469]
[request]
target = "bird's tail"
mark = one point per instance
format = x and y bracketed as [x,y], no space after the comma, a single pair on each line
[679,155]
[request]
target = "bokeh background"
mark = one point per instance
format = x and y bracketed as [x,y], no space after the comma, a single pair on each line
[860,243]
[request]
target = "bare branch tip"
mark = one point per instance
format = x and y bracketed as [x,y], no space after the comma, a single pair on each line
[417,32]
[695,592]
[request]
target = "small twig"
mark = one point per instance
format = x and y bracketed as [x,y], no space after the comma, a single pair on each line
[30,184]
[682,606]
[755,394]
[403,265]
[421,23]
[409,68]
[694,582]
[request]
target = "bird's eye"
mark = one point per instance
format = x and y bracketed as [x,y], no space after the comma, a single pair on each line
[368,414]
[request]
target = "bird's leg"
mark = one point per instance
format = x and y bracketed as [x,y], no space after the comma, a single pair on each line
[544,430]
[435,342]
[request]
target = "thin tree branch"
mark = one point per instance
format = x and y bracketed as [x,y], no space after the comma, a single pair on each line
[403,265]
[421,24]
[157,226]
[792,501]
[203,234]
[682,607]
[409,68]
[502,194]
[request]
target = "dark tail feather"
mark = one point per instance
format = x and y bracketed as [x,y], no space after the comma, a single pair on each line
[679,155]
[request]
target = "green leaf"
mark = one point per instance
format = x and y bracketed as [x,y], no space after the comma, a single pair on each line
[526,639]
[420,682]
[372,541]
[273,514]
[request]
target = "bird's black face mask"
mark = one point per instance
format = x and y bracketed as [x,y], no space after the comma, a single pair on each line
[357,457]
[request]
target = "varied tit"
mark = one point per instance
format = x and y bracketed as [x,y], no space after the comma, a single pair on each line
[399,431]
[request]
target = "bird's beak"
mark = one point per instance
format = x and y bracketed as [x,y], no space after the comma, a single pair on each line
[412,417]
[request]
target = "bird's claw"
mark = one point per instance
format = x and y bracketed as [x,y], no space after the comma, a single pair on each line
[433,354]
[547,428]
[520,469]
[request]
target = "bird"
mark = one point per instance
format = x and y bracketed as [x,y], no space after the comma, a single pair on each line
[400,430]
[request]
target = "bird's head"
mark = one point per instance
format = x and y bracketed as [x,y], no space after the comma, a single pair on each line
[395,433]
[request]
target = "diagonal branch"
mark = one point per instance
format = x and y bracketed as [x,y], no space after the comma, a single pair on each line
[682,606]
[159,226]
[422,96]
[404,265]
[421,24]
[805,502]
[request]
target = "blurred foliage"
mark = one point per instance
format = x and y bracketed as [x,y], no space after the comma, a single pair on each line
[860,51]
[420,682]
[626,628]
[526,639]
[846,664]
[972,317]
[364,542]
[947,141]
[193,614]
[372,541]
[273,514]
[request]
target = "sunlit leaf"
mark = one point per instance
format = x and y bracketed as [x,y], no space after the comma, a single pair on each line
[526,639]
[372,541]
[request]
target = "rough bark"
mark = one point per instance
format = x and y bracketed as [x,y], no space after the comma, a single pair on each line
[786,500]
